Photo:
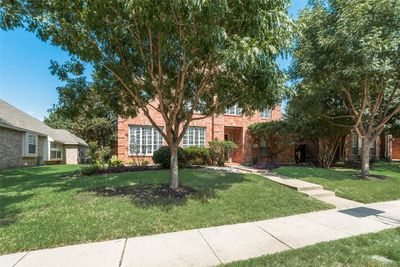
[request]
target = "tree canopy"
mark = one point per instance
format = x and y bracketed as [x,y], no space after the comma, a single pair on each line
[172,56]
[351,49]
[81,110]
[278,136]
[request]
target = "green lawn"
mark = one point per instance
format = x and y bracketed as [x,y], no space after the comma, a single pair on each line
[353,251]
[40,207]
[346,185]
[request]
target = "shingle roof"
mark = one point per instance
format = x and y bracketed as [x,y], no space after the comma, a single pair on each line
[12,117]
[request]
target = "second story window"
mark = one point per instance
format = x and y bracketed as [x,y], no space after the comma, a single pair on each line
[234,110]
[266,114]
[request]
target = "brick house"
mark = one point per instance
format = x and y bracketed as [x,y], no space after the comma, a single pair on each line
[350,148]
[26,141]
[231,126]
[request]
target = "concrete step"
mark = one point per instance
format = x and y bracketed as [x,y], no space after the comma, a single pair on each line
[339,202]
[319,193]
[309,188]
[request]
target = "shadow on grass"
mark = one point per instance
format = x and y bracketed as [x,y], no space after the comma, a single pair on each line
[8,213]
[198,187]
[145,195]
[145,189]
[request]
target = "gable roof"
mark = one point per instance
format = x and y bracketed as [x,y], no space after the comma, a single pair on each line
[12,117]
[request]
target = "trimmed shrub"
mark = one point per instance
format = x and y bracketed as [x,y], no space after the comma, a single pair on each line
[219,149]
[97,154]
[198,155]
[115,162]
[162,156]
[90,169]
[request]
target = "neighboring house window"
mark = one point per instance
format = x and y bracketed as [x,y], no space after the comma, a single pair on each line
[30,145]
[266,114]
[354,144]
[144,140]
[234,110]
[194,136]
[55,150]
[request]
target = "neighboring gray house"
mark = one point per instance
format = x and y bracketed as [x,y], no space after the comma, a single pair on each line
[26,141]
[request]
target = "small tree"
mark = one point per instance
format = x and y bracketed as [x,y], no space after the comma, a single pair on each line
[352,49]
[219,150]
[276,135]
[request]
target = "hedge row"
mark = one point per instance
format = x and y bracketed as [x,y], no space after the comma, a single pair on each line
[190,156]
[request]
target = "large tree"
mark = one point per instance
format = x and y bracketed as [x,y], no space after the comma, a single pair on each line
[309,113]
[81,109]
[172,56]
[352,48]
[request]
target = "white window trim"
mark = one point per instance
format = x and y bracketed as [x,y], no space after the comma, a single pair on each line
[199,141]
[234,110]
[61,149]
[141,137]
[26,145]
[262,114]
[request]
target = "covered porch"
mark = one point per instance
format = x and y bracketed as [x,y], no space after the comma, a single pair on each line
[234,134]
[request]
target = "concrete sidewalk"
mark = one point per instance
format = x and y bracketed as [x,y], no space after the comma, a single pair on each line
[222,244]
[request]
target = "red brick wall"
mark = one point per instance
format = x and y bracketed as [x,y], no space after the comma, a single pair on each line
[348,152]
[215,129]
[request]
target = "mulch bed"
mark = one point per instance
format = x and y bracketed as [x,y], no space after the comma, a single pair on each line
[119,169]
[148,193]
[372,177]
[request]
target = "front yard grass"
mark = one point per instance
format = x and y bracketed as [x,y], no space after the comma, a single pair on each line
[43,207]
[344,184]
[353,251]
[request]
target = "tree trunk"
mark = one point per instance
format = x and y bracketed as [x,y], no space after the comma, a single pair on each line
[174,183]
[365,158]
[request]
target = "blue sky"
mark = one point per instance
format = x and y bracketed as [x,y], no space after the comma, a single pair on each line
[25,79]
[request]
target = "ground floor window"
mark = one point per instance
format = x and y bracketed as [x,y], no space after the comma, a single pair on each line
[32,144]
[354,144]
[194,136]
[144,140]
[55,150]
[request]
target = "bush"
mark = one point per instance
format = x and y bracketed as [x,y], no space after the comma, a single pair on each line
[90,169]
[115,162]
[93,152]
[162,156]
[219,149]
[98,155]
[198,155]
